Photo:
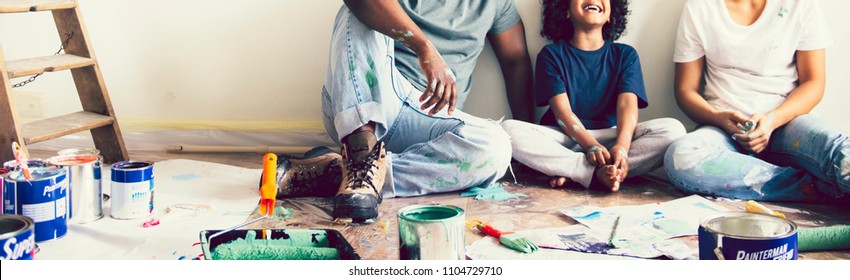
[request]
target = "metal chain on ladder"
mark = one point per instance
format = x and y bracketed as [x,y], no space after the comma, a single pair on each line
[68,37]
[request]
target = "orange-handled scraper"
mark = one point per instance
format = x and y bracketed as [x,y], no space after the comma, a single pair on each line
[268,188]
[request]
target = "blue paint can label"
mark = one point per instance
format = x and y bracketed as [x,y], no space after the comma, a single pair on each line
[132,190]
[747,236]
[43,199]
[17,237]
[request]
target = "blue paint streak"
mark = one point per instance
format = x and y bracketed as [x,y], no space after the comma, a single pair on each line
[185,177]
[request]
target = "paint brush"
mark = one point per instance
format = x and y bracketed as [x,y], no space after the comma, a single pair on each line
[755,207]
[613,232]
[21,159]
[508,239]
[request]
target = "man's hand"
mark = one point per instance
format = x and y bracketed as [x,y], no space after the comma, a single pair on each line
[756,139]
[442,87]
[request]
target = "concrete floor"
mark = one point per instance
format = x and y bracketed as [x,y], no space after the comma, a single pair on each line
[540,209]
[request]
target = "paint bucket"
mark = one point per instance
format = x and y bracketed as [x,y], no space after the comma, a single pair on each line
[747,236]
[86,202]
[43,198]
[17,237]
[132,190]
[431,232]
[3,172]
[79,152]
[12,165]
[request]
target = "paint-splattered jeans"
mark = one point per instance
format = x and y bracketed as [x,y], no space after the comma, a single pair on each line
[806,160]
[425,154]
[548,150]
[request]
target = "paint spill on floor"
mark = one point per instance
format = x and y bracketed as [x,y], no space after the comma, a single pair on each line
[493,192]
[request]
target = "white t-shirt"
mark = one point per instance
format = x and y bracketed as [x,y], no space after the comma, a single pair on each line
[749,69]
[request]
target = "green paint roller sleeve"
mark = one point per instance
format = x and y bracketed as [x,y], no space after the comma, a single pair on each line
[823,238]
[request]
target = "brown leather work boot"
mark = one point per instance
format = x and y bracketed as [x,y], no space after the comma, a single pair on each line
[317,174]
[363,172]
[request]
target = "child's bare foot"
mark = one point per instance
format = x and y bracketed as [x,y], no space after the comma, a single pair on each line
[558,182]
[608,175]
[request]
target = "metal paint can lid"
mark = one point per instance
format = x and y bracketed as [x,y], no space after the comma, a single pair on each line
[12,225]
[79,151]
[752,226]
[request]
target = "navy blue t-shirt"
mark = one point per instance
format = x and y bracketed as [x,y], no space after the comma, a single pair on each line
[591,79]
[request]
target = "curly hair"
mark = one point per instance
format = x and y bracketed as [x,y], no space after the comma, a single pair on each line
[556,25]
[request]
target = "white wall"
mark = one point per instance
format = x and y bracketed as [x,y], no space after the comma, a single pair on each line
[184,64]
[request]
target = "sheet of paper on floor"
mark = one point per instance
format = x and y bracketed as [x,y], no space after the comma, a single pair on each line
[649,222]
[229,191]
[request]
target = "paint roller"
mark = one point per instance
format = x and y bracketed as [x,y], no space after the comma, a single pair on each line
[823,238]
[811,239]
[298,245]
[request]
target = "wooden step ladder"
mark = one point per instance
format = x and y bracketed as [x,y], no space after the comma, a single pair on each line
[97,115]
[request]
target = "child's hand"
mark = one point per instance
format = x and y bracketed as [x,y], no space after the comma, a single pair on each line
[597,155]
[729,121]
[757,139]
[620,159]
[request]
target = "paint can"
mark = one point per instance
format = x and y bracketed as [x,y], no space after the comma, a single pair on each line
[132,190]
[3,172]
[43,198]
[747,236]
[12,165]
[17,236]
[431,232]
[85,204]
[79,152]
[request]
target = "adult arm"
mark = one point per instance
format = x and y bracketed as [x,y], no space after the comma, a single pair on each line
[811,71]
[687,84]
[389,18]
[512,52]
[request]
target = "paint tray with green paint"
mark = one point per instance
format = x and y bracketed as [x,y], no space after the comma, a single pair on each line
[282,244]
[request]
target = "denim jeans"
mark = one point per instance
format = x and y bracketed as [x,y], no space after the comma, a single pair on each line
[548,150]
[805,160]
[426,154]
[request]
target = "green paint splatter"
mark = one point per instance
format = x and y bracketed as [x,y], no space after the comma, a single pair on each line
[441,183]
[371,79]
[351,66]
[720,166]
[408,34]
[493,192]
[430,155]
[464,166]
[445,161]
[486,163]
[400,39]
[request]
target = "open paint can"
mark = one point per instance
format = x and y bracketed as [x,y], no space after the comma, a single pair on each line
[17,236]
[3,172]
[79,152]
[84,173]
[747,236]
[42,198]
[12,165]
[132,190]
[431,232]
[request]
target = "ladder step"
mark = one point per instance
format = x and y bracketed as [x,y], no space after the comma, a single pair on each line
[37,65]
[59,126]
[23,6]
